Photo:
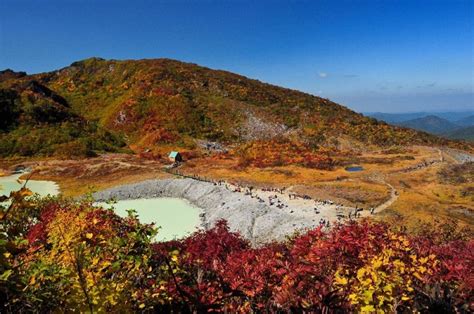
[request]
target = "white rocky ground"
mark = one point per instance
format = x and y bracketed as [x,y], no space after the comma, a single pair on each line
[253,218]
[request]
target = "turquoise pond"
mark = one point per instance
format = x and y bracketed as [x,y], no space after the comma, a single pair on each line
[176,217]
[12,183]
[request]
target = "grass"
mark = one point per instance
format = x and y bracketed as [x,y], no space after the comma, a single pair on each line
[423,197]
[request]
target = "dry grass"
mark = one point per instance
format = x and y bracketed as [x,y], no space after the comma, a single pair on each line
[77,177]
[424,194]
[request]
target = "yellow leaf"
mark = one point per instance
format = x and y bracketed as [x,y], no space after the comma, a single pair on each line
[388,288]
[32,280]
[141,306]
[89,235]
[405,298]
[353,298]
[367,309]
[341,280]
[7,254]
[377,263]
[417,275]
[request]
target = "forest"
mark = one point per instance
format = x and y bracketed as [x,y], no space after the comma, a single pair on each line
[60,254]
[104,105]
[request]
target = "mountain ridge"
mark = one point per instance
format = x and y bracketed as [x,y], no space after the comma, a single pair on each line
[163,102]
[431,124]
[462,133]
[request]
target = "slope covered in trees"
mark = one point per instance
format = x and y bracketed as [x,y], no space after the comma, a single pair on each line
[35,121]
[431,124]
[158,102]
[465,133]
[59,255]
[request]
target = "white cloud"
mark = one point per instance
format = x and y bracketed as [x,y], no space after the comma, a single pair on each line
[323,74]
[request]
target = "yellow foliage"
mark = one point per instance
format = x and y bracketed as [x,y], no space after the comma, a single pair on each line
[86,266]
[374,286]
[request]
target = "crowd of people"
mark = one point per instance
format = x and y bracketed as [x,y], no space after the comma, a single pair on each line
[277,199]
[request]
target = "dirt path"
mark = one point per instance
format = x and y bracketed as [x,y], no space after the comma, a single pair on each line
[394,193]
[390,201]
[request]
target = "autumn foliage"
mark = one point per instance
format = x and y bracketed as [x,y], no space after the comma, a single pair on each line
[101,105]
[72,256]
[263,154]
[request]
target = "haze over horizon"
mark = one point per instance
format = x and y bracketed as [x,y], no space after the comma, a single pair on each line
[370,56]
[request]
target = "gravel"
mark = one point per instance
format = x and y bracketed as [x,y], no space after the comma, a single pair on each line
[254,220]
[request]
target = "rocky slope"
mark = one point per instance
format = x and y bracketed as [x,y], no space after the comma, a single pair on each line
[254,220]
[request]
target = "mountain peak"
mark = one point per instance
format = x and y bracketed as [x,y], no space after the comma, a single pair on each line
[9,74]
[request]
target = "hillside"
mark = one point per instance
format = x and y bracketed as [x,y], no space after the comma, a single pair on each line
[396,117]
[452,116]
[451,125]
[38,122]
[467,121]
[431,124]
[466,133]
[162,102]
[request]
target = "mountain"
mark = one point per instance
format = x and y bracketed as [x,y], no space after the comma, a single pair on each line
[38,122]
[452,125]
[466,133]
[161,102]
[467,121]
[396,118]
[9,74]
[454,116]
[431,124]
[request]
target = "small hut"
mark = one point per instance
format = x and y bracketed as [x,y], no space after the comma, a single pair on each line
[175,157]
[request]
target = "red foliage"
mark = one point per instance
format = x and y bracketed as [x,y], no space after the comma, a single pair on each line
[217,270]
[221,272]
[210,249]
[37,234]
[263,154]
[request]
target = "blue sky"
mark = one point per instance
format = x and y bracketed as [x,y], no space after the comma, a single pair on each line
[388,56]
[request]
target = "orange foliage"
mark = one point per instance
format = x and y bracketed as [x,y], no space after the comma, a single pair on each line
[271,153]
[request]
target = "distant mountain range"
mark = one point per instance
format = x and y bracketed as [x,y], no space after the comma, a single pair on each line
[452,125]
[405,116]
[467,121]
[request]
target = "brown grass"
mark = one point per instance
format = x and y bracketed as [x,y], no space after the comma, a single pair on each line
[424,195]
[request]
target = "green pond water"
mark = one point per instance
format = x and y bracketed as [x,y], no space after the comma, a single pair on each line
[176,217]
[12,183]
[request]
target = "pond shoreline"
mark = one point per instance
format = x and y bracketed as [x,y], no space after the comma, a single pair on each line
[13,182]
[253,219]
